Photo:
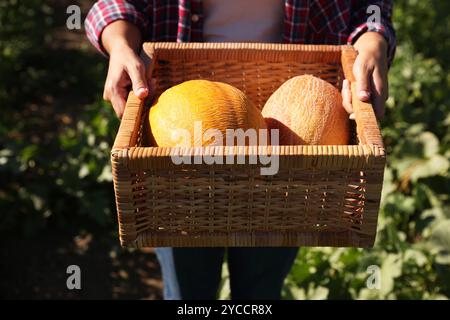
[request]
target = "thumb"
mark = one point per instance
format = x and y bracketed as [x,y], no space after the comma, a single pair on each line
[136,72]
[362,82]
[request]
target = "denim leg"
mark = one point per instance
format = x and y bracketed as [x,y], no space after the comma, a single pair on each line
[171,289]
[198,271]
[194,273]
[259,273]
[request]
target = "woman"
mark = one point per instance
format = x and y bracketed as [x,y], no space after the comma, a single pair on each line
[117,28]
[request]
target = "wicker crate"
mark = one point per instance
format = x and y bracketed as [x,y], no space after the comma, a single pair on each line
[322,195]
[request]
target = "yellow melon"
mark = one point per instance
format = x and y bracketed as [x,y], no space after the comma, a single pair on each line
[307,110]
[213,105]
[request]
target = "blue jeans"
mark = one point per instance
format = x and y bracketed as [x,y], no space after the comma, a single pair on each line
[195,273]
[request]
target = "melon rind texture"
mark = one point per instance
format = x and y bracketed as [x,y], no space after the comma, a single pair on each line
[307,110]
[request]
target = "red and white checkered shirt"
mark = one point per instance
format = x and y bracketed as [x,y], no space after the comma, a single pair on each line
[305,21]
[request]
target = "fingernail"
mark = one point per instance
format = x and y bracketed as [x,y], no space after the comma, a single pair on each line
[141,91]
[364,94]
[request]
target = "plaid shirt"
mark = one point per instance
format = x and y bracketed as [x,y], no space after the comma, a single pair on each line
[305,21]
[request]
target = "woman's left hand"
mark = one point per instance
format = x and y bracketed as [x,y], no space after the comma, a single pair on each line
[370,70]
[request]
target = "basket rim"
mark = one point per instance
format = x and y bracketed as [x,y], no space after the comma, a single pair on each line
[242,51]
[291,157]
[254,46]
[360,150]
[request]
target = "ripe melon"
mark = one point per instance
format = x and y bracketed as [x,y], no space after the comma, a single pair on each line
[217,105]
[307,110]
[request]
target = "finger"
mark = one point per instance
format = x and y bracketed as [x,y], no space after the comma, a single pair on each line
[115,85]
[118,102]
[107,92]
[379,85]
[347,97]
[136,71]
[362,74]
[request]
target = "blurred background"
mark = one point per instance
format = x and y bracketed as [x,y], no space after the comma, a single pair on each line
[56,193]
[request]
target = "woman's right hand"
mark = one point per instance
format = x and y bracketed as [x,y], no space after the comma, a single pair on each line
[125,69]
[122,41]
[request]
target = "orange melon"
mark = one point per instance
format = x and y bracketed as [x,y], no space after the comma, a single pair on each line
[215,105]
[307,110]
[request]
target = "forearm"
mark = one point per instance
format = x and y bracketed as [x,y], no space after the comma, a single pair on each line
[107,12]
[121,35]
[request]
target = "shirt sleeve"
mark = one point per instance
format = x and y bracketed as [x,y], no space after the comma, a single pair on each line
[104,12]
[360,22]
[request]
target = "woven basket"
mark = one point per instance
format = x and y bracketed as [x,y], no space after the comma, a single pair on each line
[321,196]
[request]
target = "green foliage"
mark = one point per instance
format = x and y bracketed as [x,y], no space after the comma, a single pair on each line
[63,181]
[22,33]
[55,136]
[55,131]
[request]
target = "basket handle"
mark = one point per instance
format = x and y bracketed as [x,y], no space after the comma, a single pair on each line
[366,121]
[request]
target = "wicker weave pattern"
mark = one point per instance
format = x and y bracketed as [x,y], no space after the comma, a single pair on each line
[321,196]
